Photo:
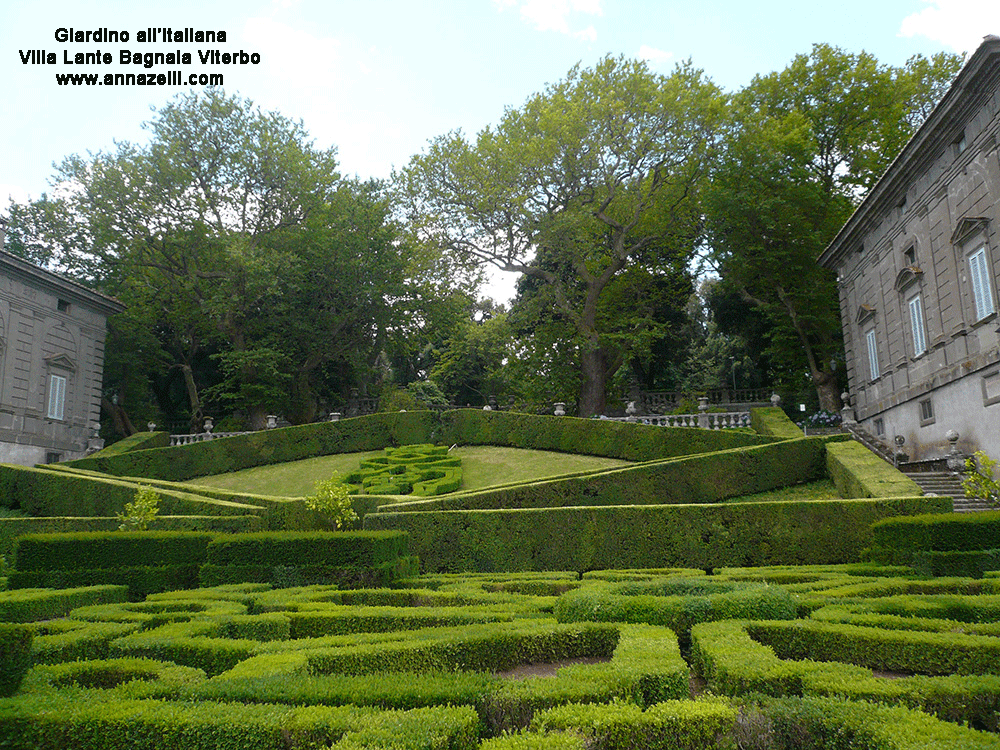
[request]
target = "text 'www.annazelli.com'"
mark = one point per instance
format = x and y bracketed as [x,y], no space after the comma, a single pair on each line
[170,78]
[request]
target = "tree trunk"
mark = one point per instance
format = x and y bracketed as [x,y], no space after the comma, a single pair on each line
[827,390]
[593,370]
[120,418]
[256,418]
[194,400]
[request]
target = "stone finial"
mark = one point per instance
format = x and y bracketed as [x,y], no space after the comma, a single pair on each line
[209,424]
[955,459]
[151,426]
[335,416]
[560,409]
[775,399]
[272,421]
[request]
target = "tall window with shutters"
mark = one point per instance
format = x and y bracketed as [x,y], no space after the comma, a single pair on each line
[873,370]
[57,396]
[917,326]
[982,289]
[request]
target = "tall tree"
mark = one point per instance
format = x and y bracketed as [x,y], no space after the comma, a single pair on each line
[599,172]
[234,239]
[804,145]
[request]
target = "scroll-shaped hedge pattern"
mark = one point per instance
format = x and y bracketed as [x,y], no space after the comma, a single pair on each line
[421,470]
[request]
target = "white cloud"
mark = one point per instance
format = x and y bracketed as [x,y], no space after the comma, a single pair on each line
[556,15]
[653,56]
[959,24]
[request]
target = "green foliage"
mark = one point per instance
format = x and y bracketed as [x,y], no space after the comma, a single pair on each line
[980,480]
[332,499]
[413,469]
[679,612]
[773,422]
[894,541]
[805,141]
[140,441]
[15,656]
[142,511]
[742,534]
[858,472]
[607,229]
[703,478]
[32,605]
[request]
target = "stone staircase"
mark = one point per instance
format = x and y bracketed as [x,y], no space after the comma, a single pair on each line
[948,484]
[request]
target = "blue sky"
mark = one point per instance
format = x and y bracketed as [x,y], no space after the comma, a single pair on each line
[379,78]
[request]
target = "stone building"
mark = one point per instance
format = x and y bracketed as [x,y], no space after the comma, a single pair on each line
[918,268]
[52,333]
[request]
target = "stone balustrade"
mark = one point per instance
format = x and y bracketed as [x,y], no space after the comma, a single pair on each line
[705,420]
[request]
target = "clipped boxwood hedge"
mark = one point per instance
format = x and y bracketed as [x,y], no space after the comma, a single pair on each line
[15,656]
[858,472]
[773,422]
[49,492]
[140,441]
[706,478]
[44,552]
[360,548]
[896,540]
[634,442]
[31,605]
[699,536]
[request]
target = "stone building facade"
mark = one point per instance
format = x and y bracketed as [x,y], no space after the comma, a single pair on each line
[52,333]
[918,269]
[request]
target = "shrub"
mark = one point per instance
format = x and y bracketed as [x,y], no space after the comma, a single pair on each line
[980,480]
[142,511]
[333,500]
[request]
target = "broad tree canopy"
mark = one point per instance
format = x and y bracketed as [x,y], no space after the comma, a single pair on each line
[597,173]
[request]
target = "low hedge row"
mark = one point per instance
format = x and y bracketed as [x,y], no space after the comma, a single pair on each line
[773,422]
[281,576]
[909,651]
[58,641]
[129,678]
[734,664]
[704,724]
[361,548]
[45,552]
[45,721]
[857,472]
[679,613]
[12,528]
[597,437]
[32,605]
[151,562]
[956,564]
[704,478]
[895,541]
[738,534]
[837,723]
[633,442]
[15,656]
[50,492]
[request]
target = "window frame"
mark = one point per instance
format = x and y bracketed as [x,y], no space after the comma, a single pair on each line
[917,328]
[983,304]
[56,401]
[874,373]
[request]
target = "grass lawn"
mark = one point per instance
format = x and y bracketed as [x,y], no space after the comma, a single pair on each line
[482,466]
